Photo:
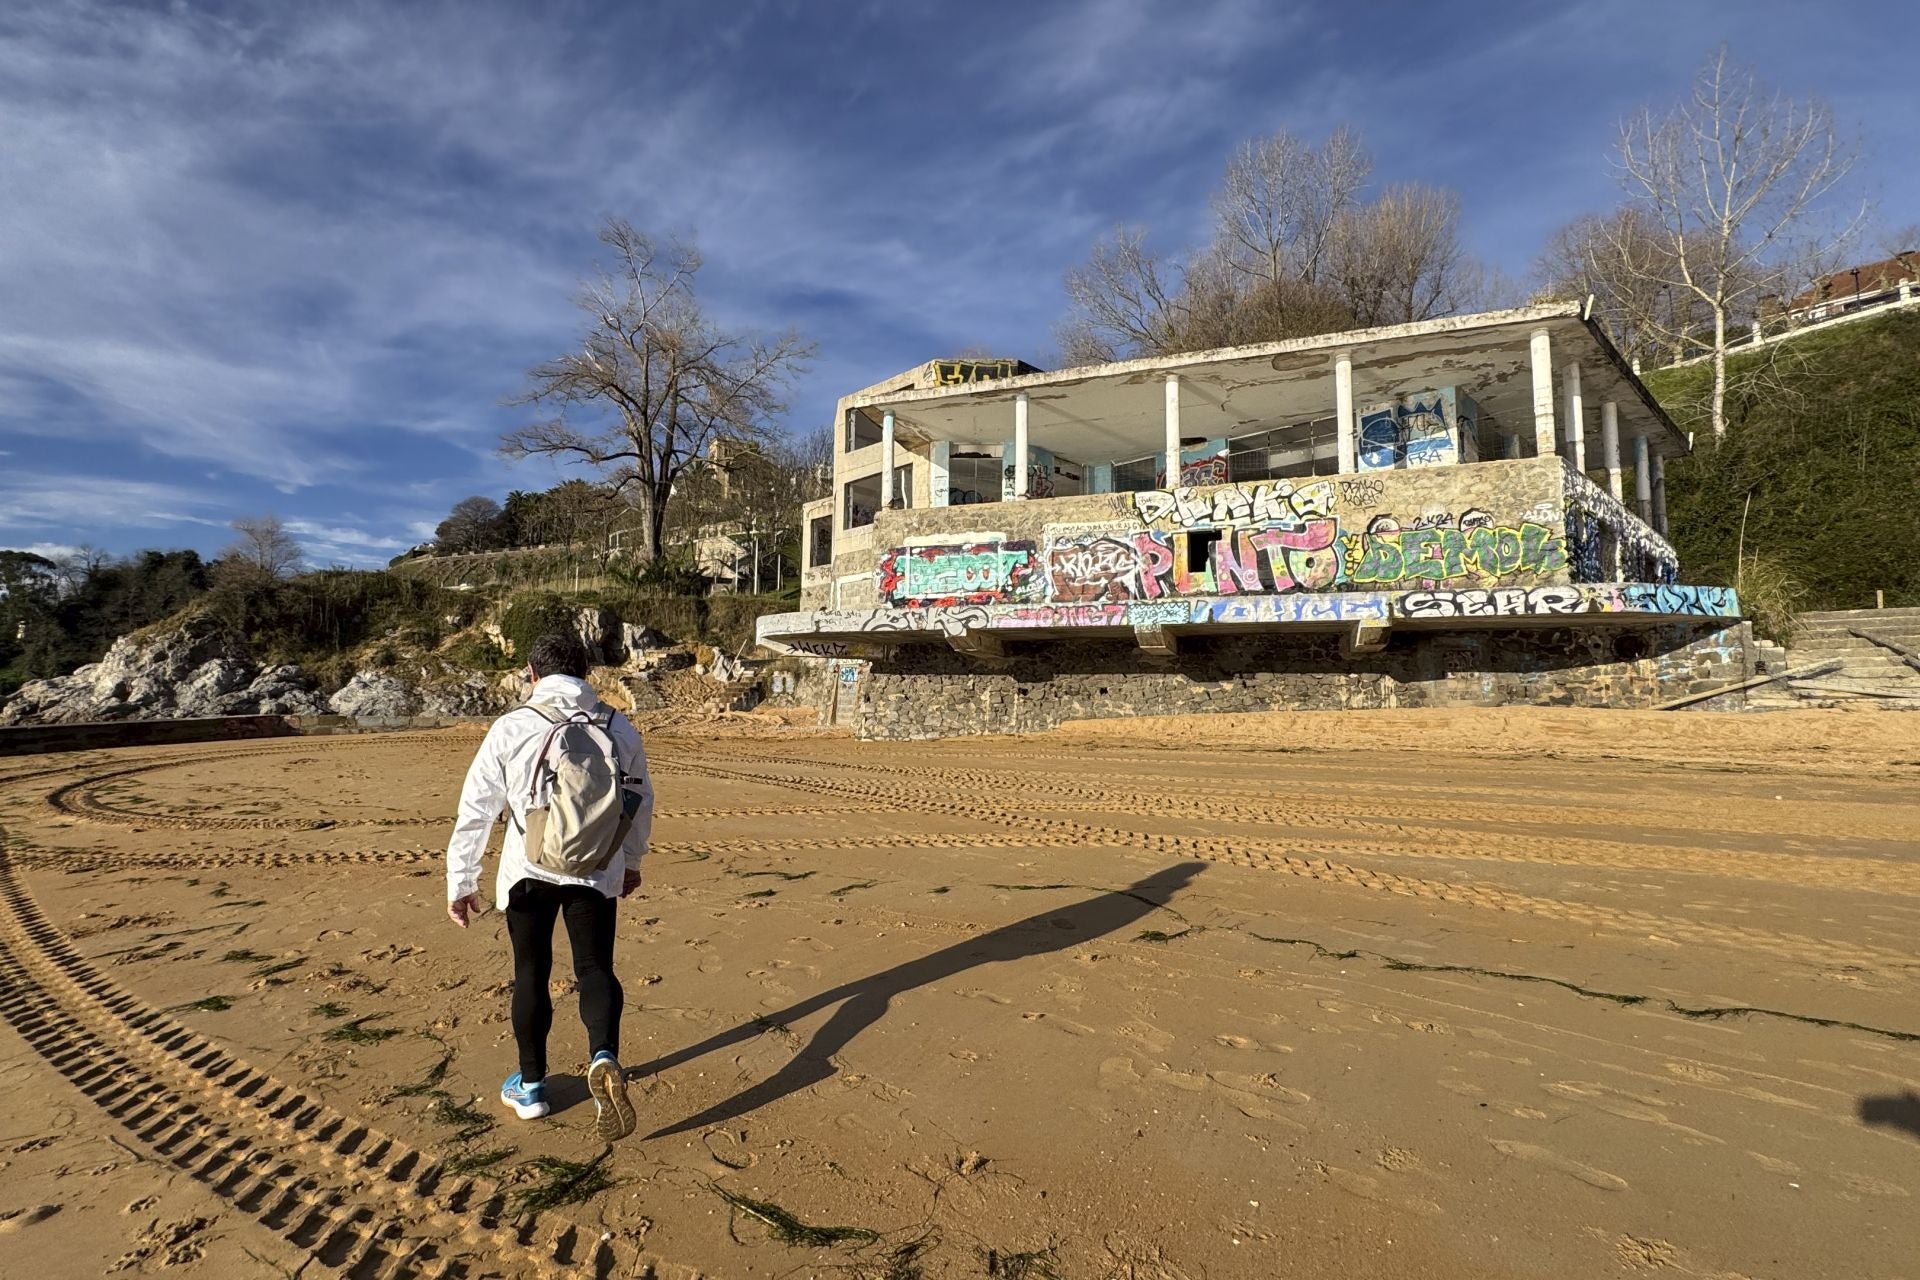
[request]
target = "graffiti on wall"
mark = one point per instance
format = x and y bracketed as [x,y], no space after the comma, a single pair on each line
[1599,526]
[1266,538]
[952,373]
[1540,602]
[1204,471]
[977,573]
[1441,549]
[1278,502]
[1152,564]
[1427,429]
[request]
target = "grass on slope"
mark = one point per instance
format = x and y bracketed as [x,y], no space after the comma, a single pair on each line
[1832,463]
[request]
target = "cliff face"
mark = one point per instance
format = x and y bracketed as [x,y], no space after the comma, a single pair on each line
[178,672]
[189,667]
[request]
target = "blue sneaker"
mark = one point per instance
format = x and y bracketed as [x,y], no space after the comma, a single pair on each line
[529,1101]
[607,1081]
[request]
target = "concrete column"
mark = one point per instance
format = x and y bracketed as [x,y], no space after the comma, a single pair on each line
[1513,445]
[1173,430]
[1022,482]
[1642,482]
[1541,347]
[1343,410]
[1576,417]
[1659,469]
[1906,290]
[1610,448]
[886,460]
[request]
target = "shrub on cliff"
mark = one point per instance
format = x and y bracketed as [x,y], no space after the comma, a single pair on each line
[532,614]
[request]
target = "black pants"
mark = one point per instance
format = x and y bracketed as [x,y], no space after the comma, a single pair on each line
[531,908]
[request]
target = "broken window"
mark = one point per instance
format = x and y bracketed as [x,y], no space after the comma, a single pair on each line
[819,542]
[863,429]
[973,475]
[859,501]
[1282,453]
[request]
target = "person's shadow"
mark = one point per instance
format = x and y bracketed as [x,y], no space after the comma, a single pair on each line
[867,998]
[1892,1110]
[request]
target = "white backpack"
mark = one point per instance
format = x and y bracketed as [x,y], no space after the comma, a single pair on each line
[576,810]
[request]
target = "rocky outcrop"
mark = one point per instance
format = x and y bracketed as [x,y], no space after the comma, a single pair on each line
[371,693]
[179,673]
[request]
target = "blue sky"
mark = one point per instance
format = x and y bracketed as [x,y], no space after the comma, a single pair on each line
[290,258]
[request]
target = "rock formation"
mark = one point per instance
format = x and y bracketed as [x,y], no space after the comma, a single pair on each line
[178,672]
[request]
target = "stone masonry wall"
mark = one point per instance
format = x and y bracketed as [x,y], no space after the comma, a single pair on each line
[927,691]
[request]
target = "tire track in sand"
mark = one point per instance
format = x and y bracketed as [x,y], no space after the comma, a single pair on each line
[360,1203]
[1275,856]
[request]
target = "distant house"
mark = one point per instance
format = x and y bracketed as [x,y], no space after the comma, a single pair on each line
[1870,284]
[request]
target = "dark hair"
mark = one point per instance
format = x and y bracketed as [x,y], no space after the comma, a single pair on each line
[559,653]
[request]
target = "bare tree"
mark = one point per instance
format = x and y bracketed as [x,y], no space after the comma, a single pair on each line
[1294,252]
[1622,260]
[657,380]
[1729,179]
[1281,201]
[1124,302]
[73,568]
[1399,259]
[264,547]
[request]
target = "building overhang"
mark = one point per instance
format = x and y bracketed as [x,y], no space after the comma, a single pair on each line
[1114,410]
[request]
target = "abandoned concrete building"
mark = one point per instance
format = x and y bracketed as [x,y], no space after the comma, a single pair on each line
[1469,510]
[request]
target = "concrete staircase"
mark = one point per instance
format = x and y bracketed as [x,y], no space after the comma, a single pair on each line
[1869,673]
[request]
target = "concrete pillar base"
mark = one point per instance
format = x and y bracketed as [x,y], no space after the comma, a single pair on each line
[1157,642]
[981,646]
[1365,637]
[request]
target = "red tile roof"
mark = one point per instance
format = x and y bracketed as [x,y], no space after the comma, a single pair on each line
[1873,277]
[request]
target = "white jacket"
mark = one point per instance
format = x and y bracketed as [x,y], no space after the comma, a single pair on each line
[498,780]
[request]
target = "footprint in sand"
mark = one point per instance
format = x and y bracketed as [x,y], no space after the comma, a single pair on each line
[1265,1085]
[1230,1041]
[1252,1096]
[1695,1072]
[1058,1023]
[1146,1034]
[16,1219]
[1367,1187]
[1645,1255]
[1628,1106]
[1561,1164]
[724,1146]
[1870,1186]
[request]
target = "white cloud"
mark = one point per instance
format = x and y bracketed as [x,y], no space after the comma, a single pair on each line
[50,550]
[34,500]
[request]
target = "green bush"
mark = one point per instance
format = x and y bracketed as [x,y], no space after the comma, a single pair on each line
[681,618]
[730,619]
[478,652]
[12,676]
[1771,596]
[532,614]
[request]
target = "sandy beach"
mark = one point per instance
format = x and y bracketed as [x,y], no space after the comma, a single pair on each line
[1519,993]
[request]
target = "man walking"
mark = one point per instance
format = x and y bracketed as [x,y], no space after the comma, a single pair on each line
[572,776]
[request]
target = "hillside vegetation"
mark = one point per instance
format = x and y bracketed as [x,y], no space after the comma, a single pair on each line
[1824,435]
